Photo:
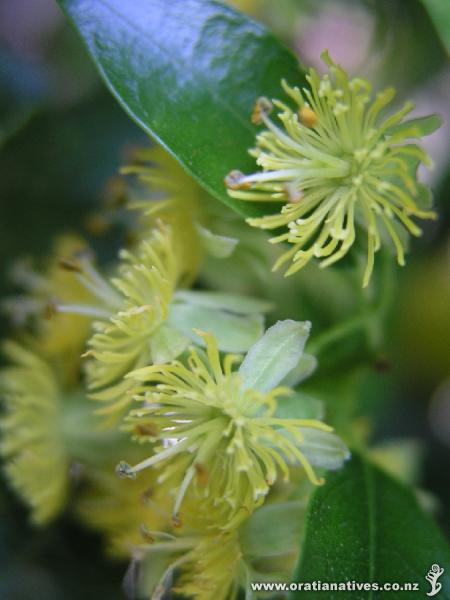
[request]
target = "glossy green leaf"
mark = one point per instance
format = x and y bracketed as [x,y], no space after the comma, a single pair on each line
[275,354]
[439,12]
[23,90]
[363,526]
[188,72]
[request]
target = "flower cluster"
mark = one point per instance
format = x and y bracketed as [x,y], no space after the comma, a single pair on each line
[135,305]
[191,375]
[216,433]
[336,166]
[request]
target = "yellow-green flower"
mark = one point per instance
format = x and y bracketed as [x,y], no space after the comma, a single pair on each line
[32,442]
[213,569]
[217,428]
[195,563]
[47,426]
[165,191]
[124,511]
[199,562]
[128,311]
[336,165]
[191,559]
[143,290]
[142,318]
[58,337]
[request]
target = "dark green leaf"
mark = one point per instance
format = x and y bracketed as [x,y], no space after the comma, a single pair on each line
[188,72]
[440,15]
[364,526]
[399,22]
[23,87]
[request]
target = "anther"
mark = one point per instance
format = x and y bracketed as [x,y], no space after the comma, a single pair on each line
[50,310]
[147,495]
[124,471]
[234,181]
[176,521]
[202,474]
[146,535]
[97,225]
[69,264]
[146,430]
[308,117]
[263,107]
[293,193]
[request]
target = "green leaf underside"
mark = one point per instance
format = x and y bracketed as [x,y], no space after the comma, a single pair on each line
[364,526]
[188,72]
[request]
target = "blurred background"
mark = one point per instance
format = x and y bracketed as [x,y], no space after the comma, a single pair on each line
[62,139]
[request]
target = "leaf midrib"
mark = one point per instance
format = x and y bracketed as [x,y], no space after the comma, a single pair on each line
[371,512]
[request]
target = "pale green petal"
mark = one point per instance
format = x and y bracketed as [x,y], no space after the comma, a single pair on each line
[424,197]
[167,343]
[282,537]
[424,125]
[270,360]
[153,578]
[323,449]
[219,246]
[234,303]
[402,458]
[306,367]
[234,333]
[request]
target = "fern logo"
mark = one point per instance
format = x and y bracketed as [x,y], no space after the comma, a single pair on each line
[432,576]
